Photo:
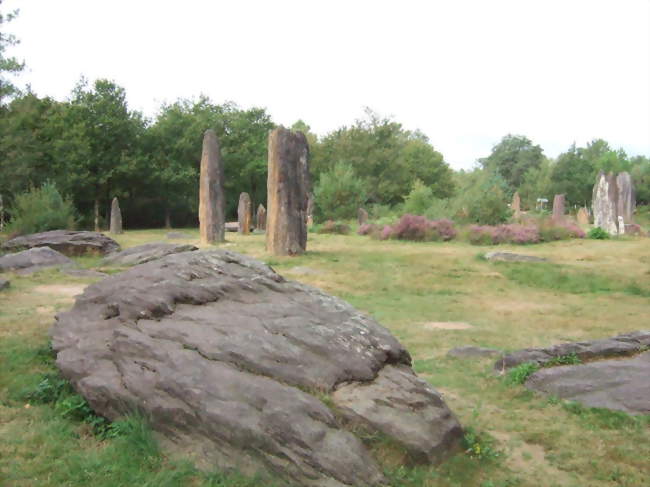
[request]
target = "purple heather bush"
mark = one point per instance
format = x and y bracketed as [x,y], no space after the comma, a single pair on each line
[523,234]
[419,228]
[369,229]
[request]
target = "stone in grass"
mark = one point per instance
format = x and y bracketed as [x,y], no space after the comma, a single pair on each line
[512,257]
[470,351]
[4,284]
[33,260]
[238,367]
[620,385]
[67,242]
[145,253]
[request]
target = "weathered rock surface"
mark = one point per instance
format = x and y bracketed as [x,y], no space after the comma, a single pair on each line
[261,218]
[116,217]
[226,357]
[470,351]
[362,216]
[33,260]
[4,284]
[178,235]
[245,214]
[626,202]
[558,208]
[67,242]
[604,203]
[288,192]
[512,257]
[583,216]
[212,198]
[622,385]
[621,345]
[146,253]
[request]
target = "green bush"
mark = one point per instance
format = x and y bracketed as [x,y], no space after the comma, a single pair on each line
[339,194]
[331,226]
[39,210]
[418,201]
[597,233]
[519,374]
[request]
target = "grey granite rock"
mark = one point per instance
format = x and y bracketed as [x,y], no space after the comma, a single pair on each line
[231,362]
[512,257]
[145,253]
[33,260]
[4,284]
[67,242]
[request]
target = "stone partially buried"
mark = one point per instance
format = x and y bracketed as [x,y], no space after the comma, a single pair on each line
[232,364]
[67,242]
[32,260]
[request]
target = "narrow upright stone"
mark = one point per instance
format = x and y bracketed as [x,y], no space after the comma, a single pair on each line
[288,192]
[116,217]
[604,203]
[558,208]
[212,201]
[626,202]
[583,216]
[516,205]
[362,216]
[244,213]
[261,218]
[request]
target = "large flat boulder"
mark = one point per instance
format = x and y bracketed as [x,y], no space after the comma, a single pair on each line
[512,257]
[238,366]
[620,345]
[67,242]
[33,260]
[145,253]
[621,385]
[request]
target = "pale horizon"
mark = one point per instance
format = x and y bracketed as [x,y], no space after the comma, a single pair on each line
[464,73]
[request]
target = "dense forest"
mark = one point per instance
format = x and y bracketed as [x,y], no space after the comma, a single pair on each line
[92,147]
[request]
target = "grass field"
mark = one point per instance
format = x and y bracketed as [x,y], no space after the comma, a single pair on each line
[590,289]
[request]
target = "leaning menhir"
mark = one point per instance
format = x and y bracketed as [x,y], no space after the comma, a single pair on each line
[288,192]
[212,201]
[286,384]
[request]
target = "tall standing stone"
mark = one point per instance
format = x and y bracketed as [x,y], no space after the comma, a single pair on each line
[583,216]
[244,213]
[558,208]
[2,215]
[310,209]
[516,205]
[626,202]
[604,203]
[288,192]
[261,217]
[362,216]
[212,201]
[116,217]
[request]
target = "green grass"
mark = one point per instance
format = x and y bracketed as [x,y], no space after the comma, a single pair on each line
[593,289]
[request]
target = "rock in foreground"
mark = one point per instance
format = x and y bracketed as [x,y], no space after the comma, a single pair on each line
[236,365]
[621,385]
[33,260]
[65,241]
[146,253]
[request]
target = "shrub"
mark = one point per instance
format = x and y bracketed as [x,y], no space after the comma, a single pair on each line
[419,228]
[39,210]
[339,193]
[518,375]
[331,226]
[494,235]
[598,233]
[369,229]
[419,199]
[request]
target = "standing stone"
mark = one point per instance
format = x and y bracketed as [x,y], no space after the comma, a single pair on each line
[244,213]
[626,202]
[288,192]
[261,217]
[116,217]
[310,210]
[604,203]
[212,201]
[362,216]
[621,225]
[583,216]
[516,205]
[558,208]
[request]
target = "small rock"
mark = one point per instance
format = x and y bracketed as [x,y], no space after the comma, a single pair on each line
[33,260]
[4,284]
[472,351]
[512,257]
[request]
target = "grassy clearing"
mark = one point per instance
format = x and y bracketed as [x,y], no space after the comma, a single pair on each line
[591,289]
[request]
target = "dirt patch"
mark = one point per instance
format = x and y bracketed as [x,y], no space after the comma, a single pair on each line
[529,457]
[63,290]
[447,325]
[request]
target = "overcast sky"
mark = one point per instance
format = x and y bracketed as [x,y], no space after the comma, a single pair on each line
[464,72]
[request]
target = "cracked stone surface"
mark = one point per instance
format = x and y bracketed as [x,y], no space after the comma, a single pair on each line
[33,260]
[145,253]
[236,365]
[65,241]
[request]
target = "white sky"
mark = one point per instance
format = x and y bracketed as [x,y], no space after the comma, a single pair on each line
[464,72]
